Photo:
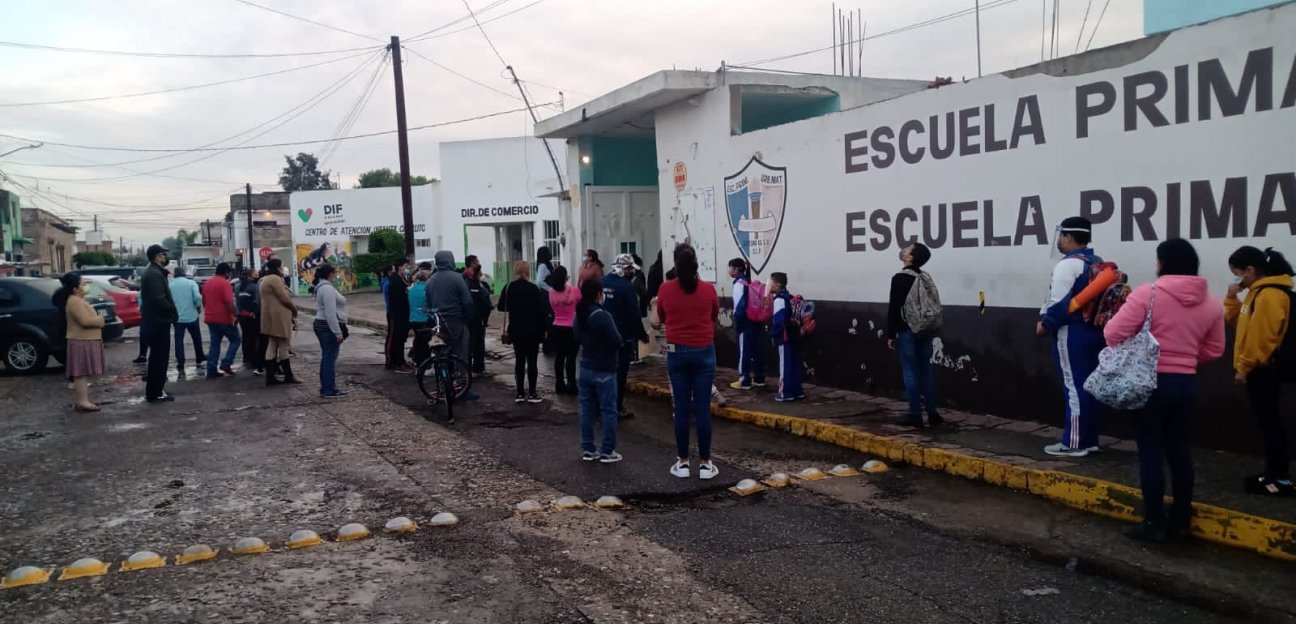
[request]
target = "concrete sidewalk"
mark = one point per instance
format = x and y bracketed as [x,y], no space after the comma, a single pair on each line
[998,451]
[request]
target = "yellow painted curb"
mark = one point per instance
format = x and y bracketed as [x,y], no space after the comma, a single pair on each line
[1266,536]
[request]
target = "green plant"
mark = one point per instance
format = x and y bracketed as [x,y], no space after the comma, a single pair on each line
[94,258]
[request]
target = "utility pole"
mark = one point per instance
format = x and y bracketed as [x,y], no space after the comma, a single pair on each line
[978,36]
[525,100]
[251,253]
[207,227]
[121,250]
[402,145]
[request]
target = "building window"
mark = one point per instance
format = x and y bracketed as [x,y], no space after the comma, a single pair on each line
[629,247]
[422,242]
[552,232]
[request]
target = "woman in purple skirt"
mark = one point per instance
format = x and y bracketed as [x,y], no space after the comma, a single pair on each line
[85,352]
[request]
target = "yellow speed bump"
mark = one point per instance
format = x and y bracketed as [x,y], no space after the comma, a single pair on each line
[528,507]
[142,560]
[352,532]
[874,466]
[777,480]
[81,568]
[843,470]
[568,502]
[25,575]
[444,519]
[811,474]
[250,546]
[303,538]
[195,553]
[400,525]
[747,487]
[609,502]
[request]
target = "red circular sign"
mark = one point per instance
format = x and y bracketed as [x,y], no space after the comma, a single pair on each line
[265,252]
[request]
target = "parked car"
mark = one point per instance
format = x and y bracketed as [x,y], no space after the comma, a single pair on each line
[32,331]
[202,274]
[129,273]
[113,280]
[126,301]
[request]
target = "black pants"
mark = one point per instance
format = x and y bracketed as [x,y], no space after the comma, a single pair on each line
[144,339]
[253,352]
[1164,427]
[263,345]
[477,334]
[398,329]
[626,355]
[565,347]
[422,347]
[159,357]
[1264,389]
[525,354]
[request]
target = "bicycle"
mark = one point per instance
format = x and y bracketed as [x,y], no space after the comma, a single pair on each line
[451,377]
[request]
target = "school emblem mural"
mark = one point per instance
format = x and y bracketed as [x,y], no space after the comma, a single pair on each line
[755,201]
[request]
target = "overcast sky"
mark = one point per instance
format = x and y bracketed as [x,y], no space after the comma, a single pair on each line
[582,47]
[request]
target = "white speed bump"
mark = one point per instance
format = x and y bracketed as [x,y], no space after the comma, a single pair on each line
[843,470]
[352,532]
[249,546]
[81,568]
[811,474]
[142,560]
[747,487]
[609,502]
[400,525]
[197,552]
[528,507]
[444,519]
[777,480]
[303,538]
[874,466]
[568,502]
[25,575]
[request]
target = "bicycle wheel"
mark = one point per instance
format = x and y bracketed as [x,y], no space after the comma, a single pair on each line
[446,381]
[428,383]
[460,375]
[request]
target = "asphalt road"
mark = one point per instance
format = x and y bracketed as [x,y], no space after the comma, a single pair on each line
[231,458]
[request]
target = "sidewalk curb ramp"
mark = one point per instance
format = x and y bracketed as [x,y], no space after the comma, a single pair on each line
[1268,537]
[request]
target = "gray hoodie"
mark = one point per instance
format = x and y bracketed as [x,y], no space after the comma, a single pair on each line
[447,292]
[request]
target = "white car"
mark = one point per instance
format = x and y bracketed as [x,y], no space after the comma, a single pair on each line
[112,280]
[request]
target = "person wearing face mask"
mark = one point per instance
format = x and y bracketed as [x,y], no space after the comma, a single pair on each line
[85,352]
[590,268]
[1263,319]
[398,317]
[1076,342]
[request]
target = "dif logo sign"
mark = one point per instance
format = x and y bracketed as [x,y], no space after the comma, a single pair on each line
[332,213]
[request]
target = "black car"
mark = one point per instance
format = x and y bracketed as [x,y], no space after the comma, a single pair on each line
[31,329]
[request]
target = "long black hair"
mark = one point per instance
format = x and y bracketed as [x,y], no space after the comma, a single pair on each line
[557,279]
[744,269]
[70,282]
[686,267]
[1177,257]
[1268,262]
[590,290]
[545,257]
[323,273]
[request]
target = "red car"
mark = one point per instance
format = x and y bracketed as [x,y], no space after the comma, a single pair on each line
[127,301]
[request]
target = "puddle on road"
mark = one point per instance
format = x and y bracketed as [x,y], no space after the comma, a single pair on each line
[126,426]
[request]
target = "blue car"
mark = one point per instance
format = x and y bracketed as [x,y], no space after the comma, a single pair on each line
[31,329]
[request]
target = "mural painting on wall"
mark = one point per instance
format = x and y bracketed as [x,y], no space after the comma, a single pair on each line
[755,198]
[309,256]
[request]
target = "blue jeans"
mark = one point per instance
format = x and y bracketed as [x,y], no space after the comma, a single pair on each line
[915,364]
[196,334]
[218,331]
[329,350]
[598,394]
[692,373]
[1164,426]
[751,354]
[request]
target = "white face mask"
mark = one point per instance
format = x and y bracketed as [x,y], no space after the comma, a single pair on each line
[1237,279]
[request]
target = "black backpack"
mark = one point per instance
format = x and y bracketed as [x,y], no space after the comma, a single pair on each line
[1284,359]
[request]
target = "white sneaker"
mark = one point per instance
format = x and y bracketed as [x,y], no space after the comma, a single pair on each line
[1062,450]
[708,471]
[680,469]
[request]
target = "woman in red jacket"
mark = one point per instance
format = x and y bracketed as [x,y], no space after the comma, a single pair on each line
[688,307]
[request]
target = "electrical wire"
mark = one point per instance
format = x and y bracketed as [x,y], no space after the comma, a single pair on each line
[929,22]
[467,28]
[455,21]
[186,88]
[468,78]
[348,121]
[1097,24]
[308,21]
[484,35]
[172,55]
[1083,22]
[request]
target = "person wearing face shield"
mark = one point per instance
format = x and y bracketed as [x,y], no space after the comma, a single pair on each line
[1076,342]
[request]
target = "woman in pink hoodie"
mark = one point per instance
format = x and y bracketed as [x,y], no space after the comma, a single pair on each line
[1189,324]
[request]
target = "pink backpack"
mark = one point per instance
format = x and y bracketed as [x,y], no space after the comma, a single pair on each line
[760,306]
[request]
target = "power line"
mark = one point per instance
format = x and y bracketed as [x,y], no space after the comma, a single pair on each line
[453,22]
[1096,25]
[479,83]
[1083,22]
[353,115]
[929,22]
[484,35]
[307,20]
[471,27]
[186,88]
[172,55]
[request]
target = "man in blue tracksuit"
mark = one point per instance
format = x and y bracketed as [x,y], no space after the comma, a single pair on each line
[787,337]
[751,348]
[1076,343]
[621,300]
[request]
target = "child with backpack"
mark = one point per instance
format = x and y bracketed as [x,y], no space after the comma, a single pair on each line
[752,310]
[786,331]
[1264,354]
[914,316]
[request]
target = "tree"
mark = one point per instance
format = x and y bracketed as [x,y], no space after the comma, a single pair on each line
[175,244]
[94,258]
[137,260]
[302,174]
[386,177]
[385,247]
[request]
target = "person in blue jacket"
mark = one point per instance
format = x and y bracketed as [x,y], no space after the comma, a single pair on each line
[621,300]
[787,337]
[1076,342]
[751,349]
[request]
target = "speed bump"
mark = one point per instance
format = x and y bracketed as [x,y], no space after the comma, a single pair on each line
[609,502]
[811,474]
[444,519]
[843,470]
[249,546]
[528,507]
[81,568]
[195,553]
[777,480]
[747,487]
[874,466]
[303,538]
[568,502]
[352,532]
[25,575]
[142,560]
[400,525]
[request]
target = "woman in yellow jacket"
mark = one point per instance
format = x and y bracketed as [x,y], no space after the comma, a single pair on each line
[1263,318]
[85,353]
